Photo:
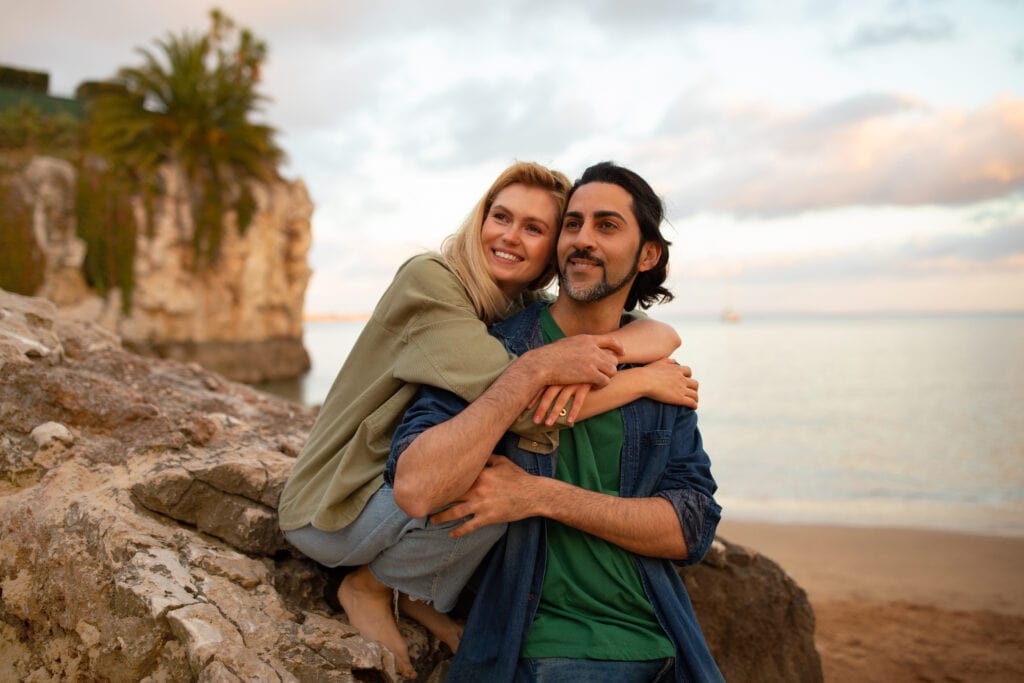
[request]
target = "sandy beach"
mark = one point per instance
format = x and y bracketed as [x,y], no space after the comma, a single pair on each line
[904,605]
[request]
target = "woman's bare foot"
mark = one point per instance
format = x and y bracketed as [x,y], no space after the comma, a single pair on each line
[367,603]
[444,628]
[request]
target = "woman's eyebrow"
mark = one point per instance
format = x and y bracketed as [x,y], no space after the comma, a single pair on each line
[501,207]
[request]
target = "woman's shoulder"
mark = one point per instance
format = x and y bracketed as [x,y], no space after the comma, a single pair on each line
[425,277]
[428,268]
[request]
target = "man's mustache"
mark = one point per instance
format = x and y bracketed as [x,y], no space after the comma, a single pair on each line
[585,255]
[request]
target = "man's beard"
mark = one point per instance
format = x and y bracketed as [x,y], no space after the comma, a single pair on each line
[600,289]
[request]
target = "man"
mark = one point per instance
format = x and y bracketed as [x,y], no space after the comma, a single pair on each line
[582,586]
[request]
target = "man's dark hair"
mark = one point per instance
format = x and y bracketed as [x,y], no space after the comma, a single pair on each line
[649,211]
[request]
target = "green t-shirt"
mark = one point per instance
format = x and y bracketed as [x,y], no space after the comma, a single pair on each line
[592,605]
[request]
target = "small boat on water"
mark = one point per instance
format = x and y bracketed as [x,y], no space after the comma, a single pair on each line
[730,316]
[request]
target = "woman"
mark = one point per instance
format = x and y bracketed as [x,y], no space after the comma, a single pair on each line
[430,327]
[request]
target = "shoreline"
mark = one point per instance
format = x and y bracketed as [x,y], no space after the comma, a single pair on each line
[896,604]
[946,569]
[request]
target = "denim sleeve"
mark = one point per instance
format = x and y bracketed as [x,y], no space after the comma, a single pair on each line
[431,407]
[688,485]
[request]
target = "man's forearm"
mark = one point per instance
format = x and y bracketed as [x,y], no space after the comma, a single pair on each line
[442,462]
[646,526]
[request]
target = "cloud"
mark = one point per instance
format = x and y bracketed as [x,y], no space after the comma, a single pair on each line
[998,250]
[924,30]
[1017,52]
[873,149]
[484,120]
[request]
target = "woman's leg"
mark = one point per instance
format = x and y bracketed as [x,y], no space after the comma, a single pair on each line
[393,551]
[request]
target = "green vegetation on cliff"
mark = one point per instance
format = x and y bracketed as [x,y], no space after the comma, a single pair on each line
[189,103]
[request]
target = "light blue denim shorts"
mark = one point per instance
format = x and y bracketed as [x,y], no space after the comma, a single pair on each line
[413,556]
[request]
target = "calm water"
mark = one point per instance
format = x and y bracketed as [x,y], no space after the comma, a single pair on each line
[894,421]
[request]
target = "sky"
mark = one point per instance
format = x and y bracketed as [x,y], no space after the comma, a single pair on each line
[819,157]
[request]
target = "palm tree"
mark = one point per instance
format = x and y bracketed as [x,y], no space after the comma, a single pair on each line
[193,108]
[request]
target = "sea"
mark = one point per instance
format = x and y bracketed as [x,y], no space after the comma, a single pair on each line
[913,421]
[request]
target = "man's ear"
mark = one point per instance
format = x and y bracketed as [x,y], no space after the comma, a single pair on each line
[650,254]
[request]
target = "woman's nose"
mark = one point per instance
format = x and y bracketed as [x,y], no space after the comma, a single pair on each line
[511,234]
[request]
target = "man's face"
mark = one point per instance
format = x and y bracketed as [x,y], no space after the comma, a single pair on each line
[599,251]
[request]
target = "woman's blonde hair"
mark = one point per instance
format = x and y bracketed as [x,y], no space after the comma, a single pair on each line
[464,250]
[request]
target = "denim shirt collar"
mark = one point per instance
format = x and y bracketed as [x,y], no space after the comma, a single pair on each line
[521,332]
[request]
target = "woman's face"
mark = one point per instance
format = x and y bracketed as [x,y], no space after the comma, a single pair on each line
[518,235]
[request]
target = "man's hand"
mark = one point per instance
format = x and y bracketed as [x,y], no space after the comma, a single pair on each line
[669,382]
[580,359]
[502,492]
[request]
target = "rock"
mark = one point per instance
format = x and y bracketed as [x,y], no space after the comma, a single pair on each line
[241,317]
[26,330]
[147,549]
[757,621]
[49,434]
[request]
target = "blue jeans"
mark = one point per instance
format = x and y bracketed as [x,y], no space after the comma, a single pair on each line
[562,670]
[412,555]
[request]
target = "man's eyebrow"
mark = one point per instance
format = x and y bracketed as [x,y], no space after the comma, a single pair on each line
[597,214]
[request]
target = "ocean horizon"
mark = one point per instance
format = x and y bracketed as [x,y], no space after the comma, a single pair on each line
[899,420]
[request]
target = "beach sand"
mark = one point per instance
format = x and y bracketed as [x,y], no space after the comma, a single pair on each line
[904,605]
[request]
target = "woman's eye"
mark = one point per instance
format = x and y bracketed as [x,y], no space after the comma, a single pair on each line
[536,229]
[499,216]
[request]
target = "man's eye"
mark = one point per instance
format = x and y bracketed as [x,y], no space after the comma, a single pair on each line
[570,225]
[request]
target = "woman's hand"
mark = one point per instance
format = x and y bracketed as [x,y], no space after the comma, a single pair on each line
[552,402]
[668,382]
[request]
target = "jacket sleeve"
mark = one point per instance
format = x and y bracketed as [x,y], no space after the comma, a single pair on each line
[431,407]
[444,344]
[688,485]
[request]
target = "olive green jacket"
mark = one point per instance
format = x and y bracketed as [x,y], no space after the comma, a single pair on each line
[423,331]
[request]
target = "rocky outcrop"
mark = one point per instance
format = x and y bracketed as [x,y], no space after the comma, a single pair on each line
[241,317]
[757,621]
[138,538]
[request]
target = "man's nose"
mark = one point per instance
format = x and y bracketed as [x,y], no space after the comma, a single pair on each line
[584,237]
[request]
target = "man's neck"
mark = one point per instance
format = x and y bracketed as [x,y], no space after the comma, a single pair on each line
[598,317]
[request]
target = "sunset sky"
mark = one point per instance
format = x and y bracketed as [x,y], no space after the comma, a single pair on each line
[814,156]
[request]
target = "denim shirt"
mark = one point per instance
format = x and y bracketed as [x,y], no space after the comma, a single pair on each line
[662,456]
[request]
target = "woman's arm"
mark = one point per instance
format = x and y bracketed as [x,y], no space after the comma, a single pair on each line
[663,380]
[646,340]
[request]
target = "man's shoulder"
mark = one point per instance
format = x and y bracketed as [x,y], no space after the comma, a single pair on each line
[664,417]
[518,325]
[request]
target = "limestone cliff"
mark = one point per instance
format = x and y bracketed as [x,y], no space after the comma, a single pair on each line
[241,317]
[139,541]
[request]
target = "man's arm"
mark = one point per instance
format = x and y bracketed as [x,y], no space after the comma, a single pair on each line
[675,521]
[443,461]
[504,492]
